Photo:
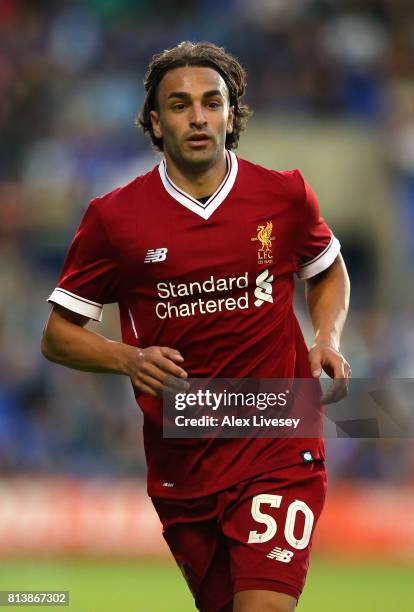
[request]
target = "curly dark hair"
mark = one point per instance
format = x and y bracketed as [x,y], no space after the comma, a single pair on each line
[196,54]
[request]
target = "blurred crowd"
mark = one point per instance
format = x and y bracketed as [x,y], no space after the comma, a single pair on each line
[70,86]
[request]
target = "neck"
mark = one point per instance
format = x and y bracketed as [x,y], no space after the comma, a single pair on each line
[197,182]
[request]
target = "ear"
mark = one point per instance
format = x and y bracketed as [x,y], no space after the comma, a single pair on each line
[230,120]
[155,122]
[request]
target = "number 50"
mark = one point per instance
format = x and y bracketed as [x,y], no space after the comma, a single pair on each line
[271,527]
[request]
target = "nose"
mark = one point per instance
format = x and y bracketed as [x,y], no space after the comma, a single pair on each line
[197,119]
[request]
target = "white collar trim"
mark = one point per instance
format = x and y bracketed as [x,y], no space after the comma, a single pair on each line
[203,210]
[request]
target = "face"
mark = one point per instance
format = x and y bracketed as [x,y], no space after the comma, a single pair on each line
[193,116]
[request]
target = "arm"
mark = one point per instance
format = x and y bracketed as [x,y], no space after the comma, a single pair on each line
[327,296]
[66,341]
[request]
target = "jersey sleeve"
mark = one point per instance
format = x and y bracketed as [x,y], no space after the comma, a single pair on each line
[90,276]
[317,247]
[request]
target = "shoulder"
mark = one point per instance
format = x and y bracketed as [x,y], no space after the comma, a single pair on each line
[289,182]
[122,197]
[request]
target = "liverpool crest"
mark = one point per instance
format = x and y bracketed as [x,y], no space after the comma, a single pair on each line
[264,236]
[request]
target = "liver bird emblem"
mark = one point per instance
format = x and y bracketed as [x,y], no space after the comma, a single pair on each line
[264,236]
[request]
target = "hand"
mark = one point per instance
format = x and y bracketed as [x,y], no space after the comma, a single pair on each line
[325,357]
[154,370]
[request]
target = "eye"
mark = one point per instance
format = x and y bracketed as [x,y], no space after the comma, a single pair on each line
[179,106]
[213,104]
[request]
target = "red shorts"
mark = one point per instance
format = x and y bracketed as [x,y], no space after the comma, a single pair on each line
[255,535]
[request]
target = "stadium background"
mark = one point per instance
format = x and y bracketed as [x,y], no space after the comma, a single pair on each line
[332,86]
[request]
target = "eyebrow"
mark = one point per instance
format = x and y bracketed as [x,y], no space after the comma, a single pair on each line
[182,95]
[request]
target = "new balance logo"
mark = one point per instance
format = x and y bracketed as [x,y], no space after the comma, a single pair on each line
[263,291]
[156,255]
[279,554]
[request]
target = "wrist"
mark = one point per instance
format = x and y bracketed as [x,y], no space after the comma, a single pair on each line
[327,340]
[123,356]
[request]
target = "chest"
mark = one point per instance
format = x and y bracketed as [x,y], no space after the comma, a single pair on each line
[169,242]
[193,249]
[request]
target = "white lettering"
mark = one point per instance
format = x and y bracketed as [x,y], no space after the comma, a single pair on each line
[163,290]
[203,421]
[208,285]
[194,286]
[243,281]
[243,301]
[262,421]
[221,284]
[169,310]
[158,308]
[217,399]
[211,306]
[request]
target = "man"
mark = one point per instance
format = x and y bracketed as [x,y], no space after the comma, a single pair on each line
[238,514]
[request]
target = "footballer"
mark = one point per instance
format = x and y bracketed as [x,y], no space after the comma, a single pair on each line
[200,254]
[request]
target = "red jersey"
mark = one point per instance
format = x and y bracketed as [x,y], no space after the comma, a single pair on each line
[213,280]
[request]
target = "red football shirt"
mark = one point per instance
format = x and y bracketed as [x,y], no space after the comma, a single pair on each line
[184,274]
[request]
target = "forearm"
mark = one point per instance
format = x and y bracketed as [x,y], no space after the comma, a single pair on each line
[152,369]
[327,296]
[72,345]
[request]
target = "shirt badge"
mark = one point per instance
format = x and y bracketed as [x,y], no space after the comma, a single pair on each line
[264,236]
